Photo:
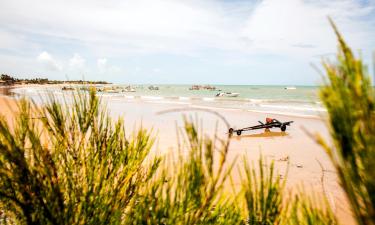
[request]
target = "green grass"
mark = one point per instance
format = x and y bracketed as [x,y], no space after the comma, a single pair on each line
[189,190]
[263,194]
[350,101]
[84,171]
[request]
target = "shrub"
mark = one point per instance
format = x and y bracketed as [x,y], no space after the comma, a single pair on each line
[72,166]
[350,102]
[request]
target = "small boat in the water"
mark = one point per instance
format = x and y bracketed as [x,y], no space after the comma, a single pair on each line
[290,88]
[195,88]
[112,91]
[65,88]
[108,90]
[227,94]
[128,89]
[201,87]
[153,88]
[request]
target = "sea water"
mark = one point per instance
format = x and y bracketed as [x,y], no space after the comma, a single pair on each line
[300,101]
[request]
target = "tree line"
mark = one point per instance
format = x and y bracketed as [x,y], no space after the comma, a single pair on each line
[6,79]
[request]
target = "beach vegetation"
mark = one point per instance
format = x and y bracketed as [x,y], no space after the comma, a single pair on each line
[70,165]
[350,101]
[9,80]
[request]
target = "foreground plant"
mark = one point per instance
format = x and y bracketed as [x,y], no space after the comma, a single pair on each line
[70,165]
[268,202]
[350,101]
[189,190]
[263,194]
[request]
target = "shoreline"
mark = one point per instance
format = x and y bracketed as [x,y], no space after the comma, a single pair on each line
[290,106]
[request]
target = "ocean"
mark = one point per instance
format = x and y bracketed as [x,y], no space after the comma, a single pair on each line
[297,101]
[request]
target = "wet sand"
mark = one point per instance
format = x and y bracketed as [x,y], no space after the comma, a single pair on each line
[306,158]
[8,105]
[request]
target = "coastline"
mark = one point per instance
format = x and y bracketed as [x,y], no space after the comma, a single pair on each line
[301,102]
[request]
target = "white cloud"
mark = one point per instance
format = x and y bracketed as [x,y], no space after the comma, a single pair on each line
[127,26]
[103,66]
[218,32]
[189,27]
[16,42]
[301,28]
[49,62]
[8,40]
[156,70]
[77,61]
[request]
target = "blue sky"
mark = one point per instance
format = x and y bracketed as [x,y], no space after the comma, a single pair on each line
[271,42]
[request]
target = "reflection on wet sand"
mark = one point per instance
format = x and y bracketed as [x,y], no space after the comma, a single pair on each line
[264,134]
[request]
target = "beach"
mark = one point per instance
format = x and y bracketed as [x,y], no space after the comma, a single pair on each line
[294,151]
[8,105]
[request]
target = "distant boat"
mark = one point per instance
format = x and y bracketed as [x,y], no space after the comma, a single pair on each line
[227,94]
[208,87]
[290,88]
[200,87]
[65,88]
[195,88]
[128,89]
[111,91]
[153,88]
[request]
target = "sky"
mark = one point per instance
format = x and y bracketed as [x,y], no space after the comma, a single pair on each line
[253,42]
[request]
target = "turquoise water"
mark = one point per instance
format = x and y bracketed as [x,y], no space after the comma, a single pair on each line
[302,100]
[301,93]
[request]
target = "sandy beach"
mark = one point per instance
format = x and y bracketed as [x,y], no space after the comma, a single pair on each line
[8,105]
[306,158]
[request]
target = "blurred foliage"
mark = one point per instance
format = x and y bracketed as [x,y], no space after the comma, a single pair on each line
[72,165]
[263,193]
[189,189]
[350,102]
[309,210]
